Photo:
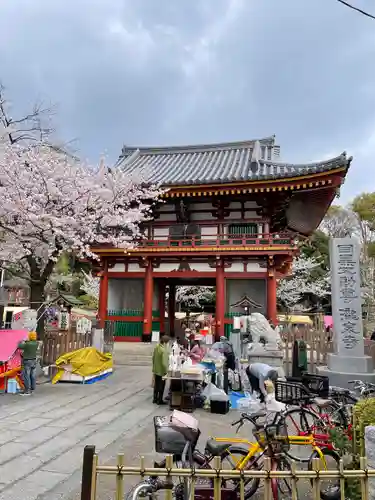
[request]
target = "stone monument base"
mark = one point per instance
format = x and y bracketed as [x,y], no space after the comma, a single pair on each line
[342,369]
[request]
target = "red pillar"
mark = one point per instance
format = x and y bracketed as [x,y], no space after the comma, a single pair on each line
[162,306]
[220,299]
[171,308]
[147,307]
[103,295]
[271,297]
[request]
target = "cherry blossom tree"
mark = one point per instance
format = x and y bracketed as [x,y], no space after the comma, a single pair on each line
[194,297]
[90,285]
[292,291]
[51,203]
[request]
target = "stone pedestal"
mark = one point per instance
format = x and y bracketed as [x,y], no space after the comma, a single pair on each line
[340,370]
[349,361]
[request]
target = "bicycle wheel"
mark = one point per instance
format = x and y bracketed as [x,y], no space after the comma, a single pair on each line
[233,456]
[332,415]
[301,421]
[329,488]
[281,487]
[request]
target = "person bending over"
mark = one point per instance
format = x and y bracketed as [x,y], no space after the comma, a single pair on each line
[258,373]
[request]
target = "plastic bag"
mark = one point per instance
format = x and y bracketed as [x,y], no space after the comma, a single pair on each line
[188,362]
[249,403]
[272,405]
[213,393]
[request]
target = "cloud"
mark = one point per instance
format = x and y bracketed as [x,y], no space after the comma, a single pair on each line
[155,72]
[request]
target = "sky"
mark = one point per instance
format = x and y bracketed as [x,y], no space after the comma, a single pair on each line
[171,72]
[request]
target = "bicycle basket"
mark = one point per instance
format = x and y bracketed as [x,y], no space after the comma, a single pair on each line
[318,385]
[169,439]
[292,393]
[274,437]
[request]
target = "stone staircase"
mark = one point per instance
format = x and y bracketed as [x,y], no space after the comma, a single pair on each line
[133,354]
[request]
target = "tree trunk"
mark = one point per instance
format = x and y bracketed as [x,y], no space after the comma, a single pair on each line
[36,303]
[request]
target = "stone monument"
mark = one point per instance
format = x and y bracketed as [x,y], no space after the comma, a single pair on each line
[265,346]
[348,362]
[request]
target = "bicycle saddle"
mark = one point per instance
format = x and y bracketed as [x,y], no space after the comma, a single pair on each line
[216,449]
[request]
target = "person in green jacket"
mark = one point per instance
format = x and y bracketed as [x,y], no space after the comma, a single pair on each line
[29,350]
[160,369]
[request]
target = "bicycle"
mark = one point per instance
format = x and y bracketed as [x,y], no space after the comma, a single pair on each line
[365,389]
[306,405]
[273,440]
[306,419]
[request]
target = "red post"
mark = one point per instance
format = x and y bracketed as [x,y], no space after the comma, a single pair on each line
[220,299]
[147,307]
[103,295]
[162,306]
[271,297]
[171,308]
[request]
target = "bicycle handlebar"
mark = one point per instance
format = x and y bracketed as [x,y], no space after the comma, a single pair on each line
[253,419]
[360,383]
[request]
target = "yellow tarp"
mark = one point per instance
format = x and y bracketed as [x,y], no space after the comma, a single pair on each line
[298,320]
[85,362]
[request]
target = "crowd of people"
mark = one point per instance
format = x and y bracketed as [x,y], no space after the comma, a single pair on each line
[191,348]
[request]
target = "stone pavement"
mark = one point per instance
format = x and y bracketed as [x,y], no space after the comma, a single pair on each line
[42,436]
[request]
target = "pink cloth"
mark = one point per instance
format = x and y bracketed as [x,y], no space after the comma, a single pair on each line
[9,340]
[196,354]
[328,321]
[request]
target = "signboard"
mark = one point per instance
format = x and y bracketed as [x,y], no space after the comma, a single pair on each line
[83,325]
[155,336]
[25,320]
[346,297]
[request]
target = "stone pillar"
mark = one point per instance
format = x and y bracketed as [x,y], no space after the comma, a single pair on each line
[271,297]
[147,307]
[162,306]
[171,308]
[103,295]
[220,298]
[348,362]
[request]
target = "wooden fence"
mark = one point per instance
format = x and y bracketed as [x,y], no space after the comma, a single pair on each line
[58,342]
[318,345]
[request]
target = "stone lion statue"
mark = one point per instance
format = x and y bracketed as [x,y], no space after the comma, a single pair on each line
[262,332]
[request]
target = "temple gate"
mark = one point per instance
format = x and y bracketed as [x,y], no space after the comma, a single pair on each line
[230,218]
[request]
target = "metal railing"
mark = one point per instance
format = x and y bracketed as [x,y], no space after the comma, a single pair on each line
[221,240]
[92,469]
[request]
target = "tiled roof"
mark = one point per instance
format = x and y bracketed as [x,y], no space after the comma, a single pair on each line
[217,163]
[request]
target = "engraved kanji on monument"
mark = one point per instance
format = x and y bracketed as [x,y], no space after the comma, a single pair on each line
[346,297]
[348,361]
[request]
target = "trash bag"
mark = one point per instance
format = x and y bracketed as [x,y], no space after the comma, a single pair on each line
[213,393]
[272,405]
[250,403]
